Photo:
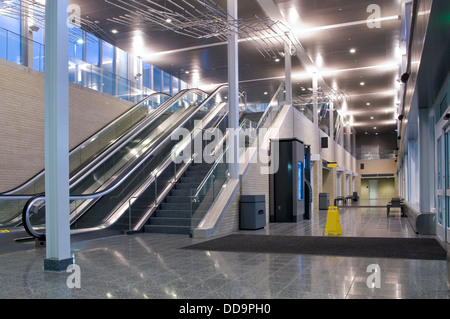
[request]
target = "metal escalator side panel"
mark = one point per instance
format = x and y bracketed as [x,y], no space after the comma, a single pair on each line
[10,210]
[190,115]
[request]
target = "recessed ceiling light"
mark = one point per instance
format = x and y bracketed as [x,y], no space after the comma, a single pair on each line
[362,83]
[169,20]
[265,93]
[114,31]
[368,104]
[352,50]
[187,72]
[371,117]
[277,60]
[375,128]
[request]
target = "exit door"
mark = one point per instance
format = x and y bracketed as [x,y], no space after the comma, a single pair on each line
[373,189]
[443,181]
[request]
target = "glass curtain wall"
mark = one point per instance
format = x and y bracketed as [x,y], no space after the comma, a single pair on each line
[93,63]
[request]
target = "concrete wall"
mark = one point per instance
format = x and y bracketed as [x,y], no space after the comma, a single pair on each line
[22,109]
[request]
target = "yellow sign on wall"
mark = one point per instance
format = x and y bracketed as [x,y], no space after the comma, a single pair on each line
[332,165]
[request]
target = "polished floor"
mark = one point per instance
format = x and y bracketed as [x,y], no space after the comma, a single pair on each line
[152,266]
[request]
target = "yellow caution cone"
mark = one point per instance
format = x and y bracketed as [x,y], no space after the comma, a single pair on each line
[333,227]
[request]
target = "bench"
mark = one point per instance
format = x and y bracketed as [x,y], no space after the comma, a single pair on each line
[349,197]
[338,199]
[396,202]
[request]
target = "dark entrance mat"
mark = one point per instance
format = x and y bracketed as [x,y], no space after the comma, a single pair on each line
[403,248]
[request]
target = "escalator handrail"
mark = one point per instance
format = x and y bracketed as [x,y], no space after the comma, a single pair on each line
[9,195]
[83,144]
[216,163]
[263,118]
[130,135]
[117,182]
[166,162]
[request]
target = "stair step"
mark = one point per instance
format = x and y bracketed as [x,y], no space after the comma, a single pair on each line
[199,167]
[180,192]
[192,179]
[178,199]
[173,213]
[168,221]
[167,229]
[186,185]
[176,206]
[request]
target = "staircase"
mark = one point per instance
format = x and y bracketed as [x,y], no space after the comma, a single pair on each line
[174,216]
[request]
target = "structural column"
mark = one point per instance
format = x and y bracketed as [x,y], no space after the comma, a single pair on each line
[348,143]
[288,71]
[331,110]
[233,89]
[315,99]
[57,136]
[426,165]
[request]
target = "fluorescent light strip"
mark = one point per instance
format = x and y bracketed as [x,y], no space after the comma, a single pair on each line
[273,35]
[377,123]
[347,24]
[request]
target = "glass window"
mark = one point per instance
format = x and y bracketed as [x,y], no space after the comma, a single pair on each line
[3,46]
[157,79]
[38,57]
[92,50]
[76,43]
[122,63]
[167,83]
[175,85]
[146,75]
[7,20]
[38,50]
[183,85]
[108,57]
[13,48]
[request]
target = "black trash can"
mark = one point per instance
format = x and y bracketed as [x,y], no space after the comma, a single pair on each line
[252,212]
[324,201]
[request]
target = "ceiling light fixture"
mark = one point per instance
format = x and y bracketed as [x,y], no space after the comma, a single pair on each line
[352,50]
[362,83]
[114,31]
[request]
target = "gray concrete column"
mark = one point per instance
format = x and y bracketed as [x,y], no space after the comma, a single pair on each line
[233,89]
[57,136]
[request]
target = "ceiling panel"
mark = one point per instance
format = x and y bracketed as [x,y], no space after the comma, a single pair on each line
[327,29]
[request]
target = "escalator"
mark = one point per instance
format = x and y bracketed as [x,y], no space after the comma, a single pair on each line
[127,190]
[84,155]
[101,196]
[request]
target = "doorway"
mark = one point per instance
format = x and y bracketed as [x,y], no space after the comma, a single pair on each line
[442,180]
[373,189]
